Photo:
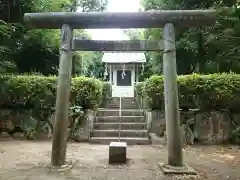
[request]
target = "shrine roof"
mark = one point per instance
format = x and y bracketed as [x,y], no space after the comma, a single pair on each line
[124,57]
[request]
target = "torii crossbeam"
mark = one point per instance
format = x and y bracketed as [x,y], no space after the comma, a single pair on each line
[104,20]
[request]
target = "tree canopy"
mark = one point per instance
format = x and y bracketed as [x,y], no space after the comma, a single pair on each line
[200,50]
[23,50]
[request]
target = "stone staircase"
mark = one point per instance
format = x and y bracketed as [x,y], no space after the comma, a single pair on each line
[133,125]
[127,103]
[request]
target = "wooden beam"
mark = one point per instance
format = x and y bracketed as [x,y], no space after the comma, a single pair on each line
[104,20]
[131,45]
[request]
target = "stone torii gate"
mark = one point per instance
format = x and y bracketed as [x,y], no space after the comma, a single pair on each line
[167,20]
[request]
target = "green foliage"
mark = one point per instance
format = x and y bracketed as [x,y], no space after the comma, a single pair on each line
[39,92]
[139,89]
[205,92]
[86,92]
[76,111]
[134,34]
[37,50]
[94,65]
[77,116]
[153,90]
[31,99]
[204,50]
[5,30]
[139,94]
[90,5]
[107,93]
[236,135]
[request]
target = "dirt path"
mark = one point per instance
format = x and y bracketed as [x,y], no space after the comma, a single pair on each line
[26,160]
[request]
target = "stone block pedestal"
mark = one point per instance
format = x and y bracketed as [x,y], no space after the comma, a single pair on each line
[118,153]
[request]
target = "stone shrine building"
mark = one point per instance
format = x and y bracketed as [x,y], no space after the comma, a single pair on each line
[123,70]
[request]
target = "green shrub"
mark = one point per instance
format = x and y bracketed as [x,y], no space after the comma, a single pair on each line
[205,92]
[139,89]
[153,90]
[77,117]
[30,101]
[39,92]
[27,91]
[86,92]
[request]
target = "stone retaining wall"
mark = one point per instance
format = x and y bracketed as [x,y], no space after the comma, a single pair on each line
[205,127]
[25,125]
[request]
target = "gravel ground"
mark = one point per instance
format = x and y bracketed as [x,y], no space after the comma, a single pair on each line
[27,160]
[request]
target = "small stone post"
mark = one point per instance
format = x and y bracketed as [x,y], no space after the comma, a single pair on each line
[171,98]
[59,142]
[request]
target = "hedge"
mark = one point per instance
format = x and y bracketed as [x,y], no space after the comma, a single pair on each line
[204,92]
[28,102]
[40,92]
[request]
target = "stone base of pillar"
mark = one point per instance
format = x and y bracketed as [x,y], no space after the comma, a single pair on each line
[167,169]
[66,167]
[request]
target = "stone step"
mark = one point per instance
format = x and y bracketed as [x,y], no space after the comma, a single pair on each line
[123,98]
[124,125]
[115,112]
[123,101]
[116,119]
[115,133]
[123,105]
[128,140]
